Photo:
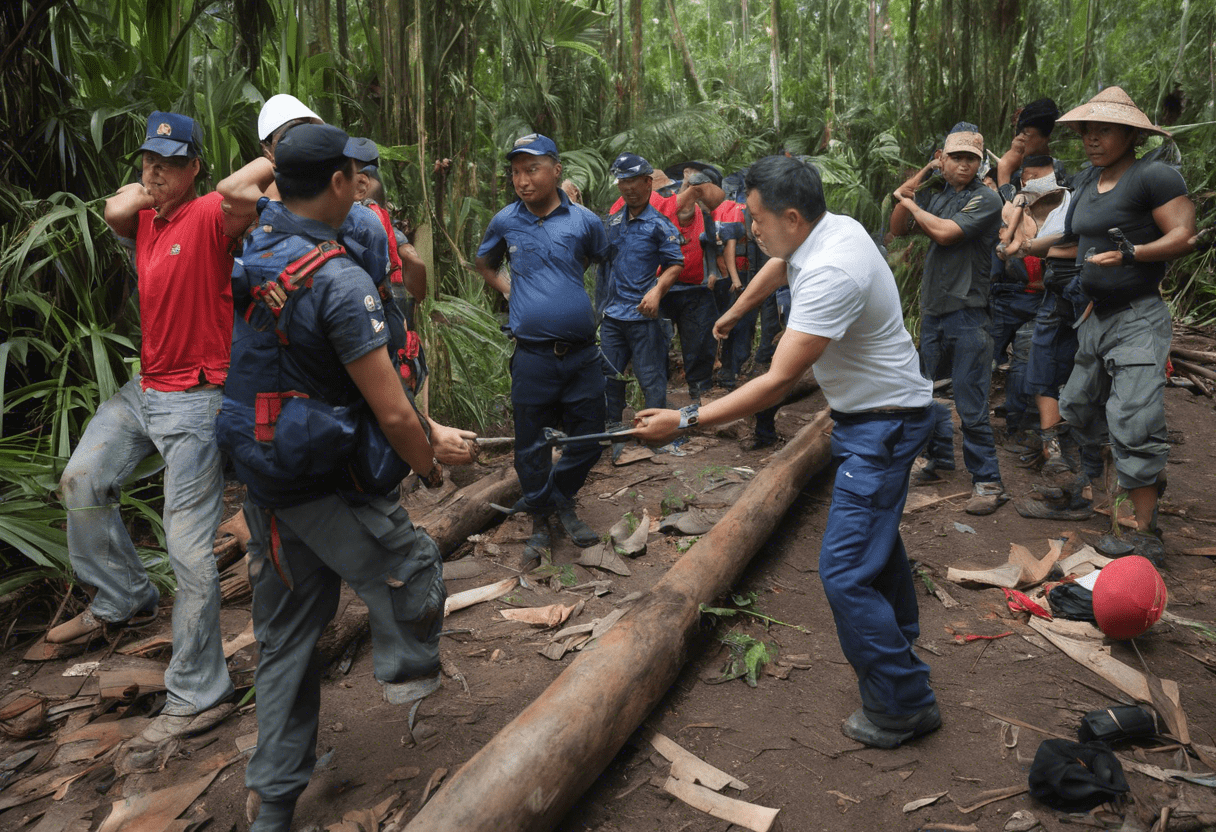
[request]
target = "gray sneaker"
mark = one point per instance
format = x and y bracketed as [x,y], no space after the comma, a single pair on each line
[986,498]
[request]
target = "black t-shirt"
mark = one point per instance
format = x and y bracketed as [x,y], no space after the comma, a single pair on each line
[1129,206]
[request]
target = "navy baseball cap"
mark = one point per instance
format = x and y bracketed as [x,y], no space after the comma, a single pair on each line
[309,153]
[172,134]
[629,165]
[363,150]
[534,144]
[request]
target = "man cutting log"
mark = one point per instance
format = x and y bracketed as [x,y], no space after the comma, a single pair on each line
[846,320]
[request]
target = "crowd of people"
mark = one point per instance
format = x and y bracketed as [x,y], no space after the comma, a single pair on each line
[276,324]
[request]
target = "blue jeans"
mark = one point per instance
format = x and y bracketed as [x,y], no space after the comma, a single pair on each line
[127,429]
[1053,347]
[643,344]
[555,391]
[693,311]
[1011,307]
[964,334]
[863,563]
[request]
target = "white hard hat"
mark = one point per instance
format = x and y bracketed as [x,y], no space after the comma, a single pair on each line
[280,109]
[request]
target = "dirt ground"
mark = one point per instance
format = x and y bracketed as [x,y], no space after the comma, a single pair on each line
[781,737]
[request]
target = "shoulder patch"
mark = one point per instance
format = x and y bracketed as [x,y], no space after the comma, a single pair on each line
[377,325]
[370,303]
[973,204]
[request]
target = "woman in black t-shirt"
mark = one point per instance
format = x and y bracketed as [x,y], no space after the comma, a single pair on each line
[1119,375]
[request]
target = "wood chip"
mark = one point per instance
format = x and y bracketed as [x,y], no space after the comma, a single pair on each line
[549,616]
[433,783]
[604,556]
[690,768]
[739,812]
[478,594]
[993,796]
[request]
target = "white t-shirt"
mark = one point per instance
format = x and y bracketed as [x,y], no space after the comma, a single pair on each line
[843,290]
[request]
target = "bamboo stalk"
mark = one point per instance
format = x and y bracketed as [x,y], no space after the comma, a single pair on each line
[532,771]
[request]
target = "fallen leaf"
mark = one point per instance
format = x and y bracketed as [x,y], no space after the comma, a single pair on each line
[921,803]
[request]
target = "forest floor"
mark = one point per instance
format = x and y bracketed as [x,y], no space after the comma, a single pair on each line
[781,737]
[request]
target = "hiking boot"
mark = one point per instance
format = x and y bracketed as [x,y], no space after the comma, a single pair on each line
[174,726]
[1145,544]
[926,476]
[894,731]
[88,626]
[759,443]
[1043,510]
[986,497]
[580,533]
[541,541]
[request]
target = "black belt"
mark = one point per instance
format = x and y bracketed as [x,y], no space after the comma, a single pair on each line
[558,348]
[879,414]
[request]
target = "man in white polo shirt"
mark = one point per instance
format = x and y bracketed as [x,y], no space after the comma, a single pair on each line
[845,320]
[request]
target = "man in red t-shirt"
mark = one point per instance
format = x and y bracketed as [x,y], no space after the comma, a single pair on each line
[181,244]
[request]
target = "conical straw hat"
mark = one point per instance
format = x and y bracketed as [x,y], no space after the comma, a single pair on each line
[1111,106]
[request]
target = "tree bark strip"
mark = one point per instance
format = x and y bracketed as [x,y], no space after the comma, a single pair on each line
[532,771]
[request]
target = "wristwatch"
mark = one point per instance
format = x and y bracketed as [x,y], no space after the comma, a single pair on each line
[689,416]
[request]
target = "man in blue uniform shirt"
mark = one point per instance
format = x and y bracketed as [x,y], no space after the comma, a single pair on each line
[641,242]
[318,349]
[556,379]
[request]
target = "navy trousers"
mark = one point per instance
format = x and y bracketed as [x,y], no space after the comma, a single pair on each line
[964,334]
[693,312]
[642,344]
[1010,307]
[738,345]
[555,391]
[863,563]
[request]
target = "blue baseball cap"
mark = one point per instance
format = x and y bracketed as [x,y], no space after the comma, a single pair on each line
[172,134]
[309,153]
[534,144]
[363,151]
[629,165]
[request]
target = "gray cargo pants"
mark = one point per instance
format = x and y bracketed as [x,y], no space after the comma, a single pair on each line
[395,569]
[1117,386]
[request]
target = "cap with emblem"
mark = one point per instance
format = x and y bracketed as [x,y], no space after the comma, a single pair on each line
[534,144]
[280,109]
[629,165]
[363,151]
[172,134]
[309,154]
[964,137]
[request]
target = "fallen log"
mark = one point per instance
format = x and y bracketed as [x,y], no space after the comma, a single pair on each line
[1193,355]
[535,768]
[1194,369]
[468,512]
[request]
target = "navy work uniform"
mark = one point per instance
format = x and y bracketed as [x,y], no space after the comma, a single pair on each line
[639,247]
[556,375]
[319,529]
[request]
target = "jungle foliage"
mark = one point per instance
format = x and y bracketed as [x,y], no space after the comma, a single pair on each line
[866,87]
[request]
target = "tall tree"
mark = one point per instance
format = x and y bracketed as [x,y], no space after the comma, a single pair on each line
[690,68]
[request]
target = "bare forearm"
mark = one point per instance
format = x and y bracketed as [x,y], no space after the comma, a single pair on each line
[667,278]
[493,278]
[122,209]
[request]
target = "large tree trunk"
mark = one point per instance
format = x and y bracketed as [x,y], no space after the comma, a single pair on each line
[689,67]
[529,775]
[635,57]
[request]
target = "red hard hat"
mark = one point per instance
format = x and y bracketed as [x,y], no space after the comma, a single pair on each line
[1129,597]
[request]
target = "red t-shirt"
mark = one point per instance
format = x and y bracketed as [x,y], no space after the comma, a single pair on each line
[185,295]
[690,239]
[732,212]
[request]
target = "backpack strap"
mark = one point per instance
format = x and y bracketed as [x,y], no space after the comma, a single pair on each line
[394,256]
[296,275]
